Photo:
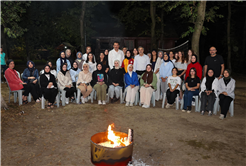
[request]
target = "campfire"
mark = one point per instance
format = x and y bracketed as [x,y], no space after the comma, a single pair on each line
[112,147]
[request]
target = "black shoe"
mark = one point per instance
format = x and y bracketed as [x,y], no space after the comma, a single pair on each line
[112,100]
[116,99]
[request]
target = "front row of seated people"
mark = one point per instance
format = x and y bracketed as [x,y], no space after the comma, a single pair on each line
[211,87]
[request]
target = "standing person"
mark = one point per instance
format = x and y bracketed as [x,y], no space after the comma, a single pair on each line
[65,82]
[176,56]
[48,86]
[62,60]
[208,94]
[2,63]
[102,59]
[14,81]
[226,93]
[99,83]
[115,81]
[124,49]
[106,54]
[157,72]
[153,58]
[165,72]
[30,76]
[115,54]
[214,62]
[148,82]
[190,53]
[83,83]
[149,55]
[196,65]
[91,62]
[79,60]
[135,52]
[74,71]
[52,71]
[132,85]
[174,83]
[140,62]
[192,84]
[88,50]
[69,56]
[128,60]
[171,55]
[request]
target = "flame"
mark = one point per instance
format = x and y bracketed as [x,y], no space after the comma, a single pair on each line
[116,140]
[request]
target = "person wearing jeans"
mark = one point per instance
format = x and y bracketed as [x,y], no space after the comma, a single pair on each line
[192,84]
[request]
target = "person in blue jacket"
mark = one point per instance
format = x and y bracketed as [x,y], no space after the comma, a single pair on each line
[30,76]
[165,72]
[73,72]
[132,85]
[61,60]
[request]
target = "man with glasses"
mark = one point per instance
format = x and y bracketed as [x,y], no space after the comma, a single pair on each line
[115,54]
[214,62]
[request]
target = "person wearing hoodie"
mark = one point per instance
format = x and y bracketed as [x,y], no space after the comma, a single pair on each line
[69,56]
[128,60]
[30,76]
[157,72]
[79,60]
[115,81]
[61,60]
[132,85]
[226,93]
[99,83]
[208,93]
[196,65]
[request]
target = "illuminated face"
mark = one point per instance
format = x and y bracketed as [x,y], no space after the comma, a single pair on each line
[165,57]
[135,51]
[226,74]
[64,67]
[148,68]
[174,71]
[30,65]
[141,50]
[160,54]
[212,50]
[85,67]
[99,67]
[171,54]
[130,68]
[79,55]
[75,65]
[63,55]
[101,55]
[124,50]
[88,50]
[116,46]
[106,52]
[189,52]
[68,52]
[47,69]
[116,64]
[128,54]
[193,59]
[210,73]
[90,56]
[192,72]
[11,65]
[154,53]
[50,64]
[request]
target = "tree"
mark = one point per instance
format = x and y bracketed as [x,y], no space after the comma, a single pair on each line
[152,15]
[229,36]
[82,18]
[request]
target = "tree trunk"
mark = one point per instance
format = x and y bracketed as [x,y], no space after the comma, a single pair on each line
[229,36]
[244,36]
[82,19]
[4,42]
[198,28]
[152,15]
[162,29]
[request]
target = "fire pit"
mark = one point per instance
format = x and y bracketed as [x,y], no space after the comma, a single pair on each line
[111,148]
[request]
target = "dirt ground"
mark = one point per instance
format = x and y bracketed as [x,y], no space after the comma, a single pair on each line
[162,136]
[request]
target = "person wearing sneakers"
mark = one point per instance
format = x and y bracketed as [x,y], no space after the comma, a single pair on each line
[99,83]
[174,83]
[132,85]
[208,94]
[148,81]
[192,85]
[226,93]
[83,83]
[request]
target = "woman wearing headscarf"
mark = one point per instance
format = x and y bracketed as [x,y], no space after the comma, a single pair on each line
[226,92]
[196,65]
[128,60]
[30,76]
[62,60]
[102,59]
[99,83]
[208,93]
[148,82]
[14,81]
[65,82]
[131,84]
[79,60]
[157,72]
[48,86]
[165,72]
[74,71]
[83,83]
[52,71]
[115,81]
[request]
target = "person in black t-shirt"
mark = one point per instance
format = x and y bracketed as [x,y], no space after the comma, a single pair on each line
[214,62]
[192,85]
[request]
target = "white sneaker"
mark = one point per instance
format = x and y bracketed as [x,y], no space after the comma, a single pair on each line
[131,104]
[146,106]
[86,99]
[99,102]
[127,104]
[104,103]
[222,116]
[193,103]
[168,105]
[67,101]
[82,100]
[188,111]
[183,110]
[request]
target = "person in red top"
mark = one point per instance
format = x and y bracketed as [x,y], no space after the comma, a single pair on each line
[196,65]
[14,81]
[128,60]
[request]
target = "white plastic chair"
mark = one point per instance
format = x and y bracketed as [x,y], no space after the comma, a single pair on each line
[215,105]
[152,99]
[136,97]
[79,94]
[231,108]
[121,99]
[177,101]
[43,101]
[196,103]
[29,98]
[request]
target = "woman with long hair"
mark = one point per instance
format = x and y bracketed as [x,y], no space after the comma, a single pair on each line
[91,62]
[102,59]
[135,52]
[153,58]
[190,53]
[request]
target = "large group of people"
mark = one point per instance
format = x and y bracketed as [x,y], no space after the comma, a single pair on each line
[158,73]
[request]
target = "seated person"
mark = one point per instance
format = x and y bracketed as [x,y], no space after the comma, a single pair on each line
[74,71]
[226,93]
[148,81]
[104,62]
[192,85]
[132,85]
[30,76]
[79,60]
[115,81]
[99,83]
[48,86]
[208,94]
[14,81]
[83,83]
[65,82]
[174,83]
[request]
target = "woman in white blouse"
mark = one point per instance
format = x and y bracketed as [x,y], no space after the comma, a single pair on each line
[156,71]
[91,62]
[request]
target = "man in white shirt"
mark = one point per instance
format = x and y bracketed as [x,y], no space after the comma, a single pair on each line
[140,61]
[115,54]
[88,50]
